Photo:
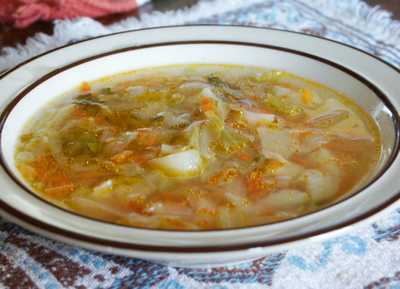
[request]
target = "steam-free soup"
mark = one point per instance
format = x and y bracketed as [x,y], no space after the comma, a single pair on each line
[196,147]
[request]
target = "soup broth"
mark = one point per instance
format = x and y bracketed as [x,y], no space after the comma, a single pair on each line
[195,147]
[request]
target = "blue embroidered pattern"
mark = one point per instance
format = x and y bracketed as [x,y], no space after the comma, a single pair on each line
[259,271]
[390,230]
[351,245]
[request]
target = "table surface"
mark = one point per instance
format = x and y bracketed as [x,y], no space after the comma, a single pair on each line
[10,36]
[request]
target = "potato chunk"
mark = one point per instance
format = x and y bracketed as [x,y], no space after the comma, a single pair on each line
[186,163]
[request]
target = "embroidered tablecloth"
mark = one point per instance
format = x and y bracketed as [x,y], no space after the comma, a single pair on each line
[366,257]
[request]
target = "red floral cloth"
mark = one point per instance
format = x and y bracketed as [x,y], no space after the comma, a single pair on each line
[23,13]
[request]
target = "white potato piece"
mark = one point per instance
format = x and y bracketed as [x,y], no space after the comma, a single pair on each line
[334,104]
[186,163]
[254,118]
[285,174]
[285,199]
[327,160]
[321,187]
[168,149]
[314,141]
[289,169]
[277,144]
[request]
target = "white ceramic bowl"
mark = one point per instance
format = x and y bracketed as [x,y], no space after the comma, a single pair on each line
[372,83]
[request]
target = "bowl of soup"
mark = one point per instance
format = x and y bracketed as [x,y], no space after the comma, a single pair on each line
[198,144]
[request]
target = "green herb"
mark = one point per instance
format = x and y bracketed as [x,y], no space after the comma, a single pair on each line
[280,105]
[106,90]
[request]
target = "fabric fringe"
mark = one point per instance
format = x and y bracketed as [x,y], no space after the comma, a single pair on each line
[372,20]
[68,31]
[355,13]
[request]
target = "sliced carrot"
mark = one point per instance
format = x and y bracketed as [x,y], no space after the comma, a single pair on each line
[257,187]
[205,224]
[256,145]
[307,97]
[171,198]
[303,135]
[138,205]
[85,87]
[99,119]
[223,176]
[147,138]
[61,191]
[140,159]
[207,212]
[78,112]
[114,129]
[230,205]
[245,157]
[42,164]
[273,165]
[151,140]
[58,178]
[206,104]
[304,161]
[167,223]
[254,180]
[121,157]
[54,178]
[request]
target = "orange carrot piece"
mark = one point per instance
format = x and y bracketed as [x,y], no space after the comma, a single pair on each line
[206,104]
[138,205]
[304,161]
[307,97]
[114,129]
[56,181]
[140,159]
[174,223]
[85,87]
[225,176]
[78,112]
[151,140]
[146,138]
[254,180]
[245,157]
[207,212]
[61,191]
[273,165]
[255,184]
[99,119]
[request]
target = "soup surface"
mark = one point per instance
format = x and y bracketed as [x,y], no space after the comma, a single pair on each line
[196,147]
